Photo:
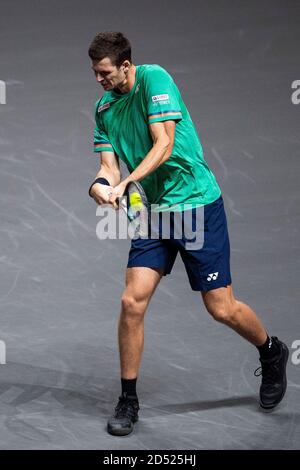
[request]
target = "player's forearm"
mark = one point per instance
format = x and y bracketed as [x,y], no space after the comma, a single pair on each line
[112,176]
[159,153]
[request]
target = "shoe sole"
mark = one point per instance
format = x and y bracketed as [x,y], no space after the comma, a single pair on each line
[271,407]
[121,432]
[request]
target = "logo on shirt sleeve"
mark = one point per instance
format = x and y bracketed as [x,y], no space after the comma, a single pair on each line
[156,98]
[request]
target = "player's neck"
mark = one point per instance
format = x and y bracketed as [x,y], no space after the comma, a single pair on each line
[129,81]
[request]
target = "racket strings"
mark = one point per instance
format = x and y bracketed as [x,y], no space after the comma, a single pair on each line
[137,208]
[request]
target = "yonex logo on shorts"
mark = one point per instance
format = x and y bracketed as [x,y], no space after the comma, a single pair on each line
[103,107]
[156,98]
[212,276]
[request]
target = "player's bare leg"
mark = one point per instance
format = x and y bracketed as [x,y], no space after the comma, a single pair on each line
[225,308]
[140,285]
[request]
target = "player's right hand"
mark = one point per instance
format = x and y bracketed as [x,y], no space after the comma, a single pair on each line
[101,193]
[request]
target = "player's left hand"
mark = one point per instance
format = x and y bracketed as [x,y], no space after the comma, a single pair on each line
[117,192]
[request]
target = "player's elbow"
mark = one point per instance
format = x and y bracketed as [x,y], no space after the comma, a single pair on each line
[164,143]
[168,149]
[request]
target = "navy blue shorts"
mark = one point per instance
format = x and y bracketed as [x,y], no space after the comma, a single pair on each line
[206,256]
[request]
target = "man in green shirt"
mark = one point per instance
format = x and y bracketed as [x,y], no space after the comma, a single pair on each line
[142,119]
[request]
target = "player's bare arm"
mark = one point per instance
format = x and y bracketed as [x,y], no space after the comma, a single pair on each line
[110,170]
[162,134]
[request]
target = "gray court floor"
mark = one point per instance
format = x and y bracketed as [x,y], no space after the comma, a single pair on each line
[60,286]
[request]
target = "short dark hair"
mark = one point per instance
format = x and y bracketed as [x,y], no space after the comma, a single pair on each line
[110,44]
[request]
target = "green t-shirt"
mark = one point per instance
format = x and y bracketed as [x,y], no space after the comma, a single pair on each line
[122,126]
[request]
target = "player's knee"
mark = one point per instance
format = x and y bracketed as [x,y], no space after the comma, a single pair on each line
[223,313]
[132,309]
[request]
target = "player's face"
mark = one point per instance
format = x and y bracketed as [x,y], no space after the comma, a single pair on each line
[108,75]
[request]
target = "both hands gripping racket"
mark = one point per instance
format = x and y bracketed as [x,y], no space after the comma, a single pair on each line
[136,206]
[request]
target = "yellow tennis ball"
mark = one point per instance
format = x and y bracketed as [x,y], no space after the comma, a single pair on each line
[135,200]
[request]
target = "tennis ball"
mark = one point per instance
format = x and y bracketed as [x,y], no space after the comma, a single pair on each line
[135,200]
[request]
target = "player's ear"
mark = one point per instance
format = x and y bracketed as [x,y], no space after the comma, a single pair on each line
[125,66]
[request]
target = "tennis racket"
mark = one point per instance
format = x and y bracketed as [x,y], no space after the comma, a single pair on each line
[135,204]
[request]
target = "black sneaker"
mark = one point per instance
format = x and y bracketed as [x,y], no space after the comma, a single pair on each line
[126,414]
[273,372]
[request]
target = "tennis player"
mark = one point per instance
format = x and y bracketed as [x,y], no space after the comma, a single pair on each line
[142,119]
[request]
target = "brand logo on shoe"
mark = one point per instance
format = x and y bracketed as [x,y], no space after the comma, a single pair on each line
[212,276]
